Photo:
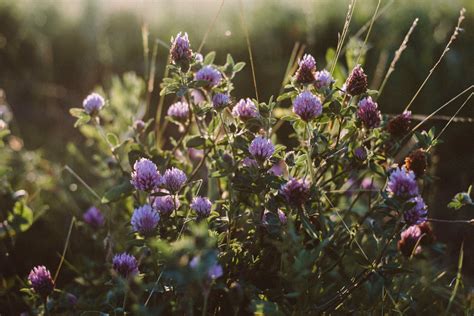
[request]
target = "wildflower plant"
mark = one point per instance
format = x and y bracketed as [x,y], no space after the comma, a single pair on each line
[254,224]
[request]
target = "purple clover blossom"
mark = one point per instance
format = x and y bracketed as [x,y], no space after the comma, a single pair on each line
[323,79]
[356,83]
[179,111]
[245,109]
[368,113]
[215,271]
[409,240]
[360,153]
[139,126]
[282,217]
[261,148]
[180,50]
[368,184]
[306,70]
[295,191]
[307,106]
[209,74]
[165,205]
[418,213]
[125,265]
[278,168]
[249,162]
[198,58]
[145,175]
[144,220]
[93,216]
[220,101]
[93,103]
[202,206]
[402,183]
[41,281]
[174,179]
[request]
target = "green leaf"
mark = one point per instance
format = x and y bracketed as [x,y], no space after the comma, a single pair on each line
[239,66]
[209,59]
[76,112]
[196,141]
[230,60]
[83,119]
[20,220]
[112,139]
[122,190]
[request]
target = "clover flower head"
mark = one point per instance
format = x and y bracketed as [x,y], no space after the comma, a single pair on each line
[174,179]
[209,74]
[356,83]
[261,148]
[307,106]
[418,213]
[145,175]
[417,162]
[295,191]
[245,109]
[400,125]
[144,220]
[220,100]
[215,271]
[282,216]
[41,281]
[93,216]
[409,240]
[202,206]
[93,103]
[360,153]
[180,50]
[402,183]
[368,113]
[306,70]
[125,265]
[323,79]
[179,111]
[166,204]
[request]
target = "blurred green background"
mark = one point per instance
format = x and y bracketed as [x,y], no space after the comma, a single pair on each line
[53,53]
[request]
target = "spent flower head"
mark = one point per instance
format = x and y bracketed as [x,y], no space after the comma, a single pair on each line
[295,191]
[356,83]
[306,70]
[368,113]
[180,50]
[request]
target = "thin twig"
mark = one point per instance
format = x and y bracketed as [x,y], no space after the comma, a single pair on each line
[249,47]
[397,56]
[362,46]
[211,26]
[66,245]
[68,169]
[446,49]
[449,122]
[350,12]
